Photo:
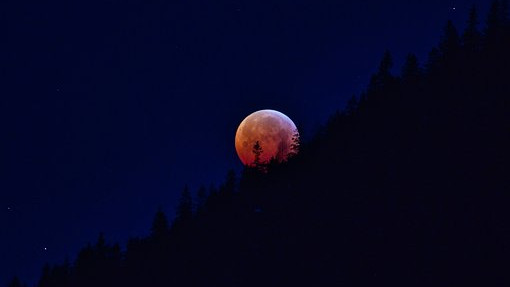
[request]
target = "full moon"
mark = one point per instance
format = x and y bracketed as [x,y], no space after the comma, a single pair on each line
[269,132]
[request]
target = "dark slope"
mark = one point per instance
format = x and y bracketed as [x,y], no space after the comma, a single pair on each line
[407,187]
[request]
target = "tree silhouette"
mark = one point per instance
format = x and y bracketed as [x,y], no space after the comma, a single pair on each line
[281,152]
[433,62]
[472,36]
[45,280]
[450,42]
[229,187]
[352,105]
[201,199]
[257,151]
[385,65]
[296,140]
[160,226]
[494,17]
[383,76]
[495,24]
[185,207]
[56,276]
[411,71]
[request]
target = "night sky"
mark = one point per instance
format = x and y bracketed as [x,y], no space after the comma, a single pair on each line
[109,108]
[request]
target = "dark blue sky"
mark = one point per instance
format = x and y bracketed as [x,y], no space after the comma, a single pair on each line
[108,108]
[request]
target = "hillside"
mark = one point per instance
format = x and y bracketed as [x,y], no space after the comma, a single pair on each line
[408,186]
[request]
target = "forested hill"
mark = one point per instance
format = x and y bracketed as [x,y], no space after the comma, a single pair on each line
[408,186]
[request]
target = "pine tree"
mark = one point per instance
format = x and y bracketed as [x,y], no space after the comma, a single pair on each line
[412,76]
[229,187]
[385,65]
[160,227]
[45,280]
[472,37]
[384,73]
[381,83]
[450,42]
[411,70]
[101,242]
[281,153]
[296,142]
[496,27]
[56,276]
[433,62]
[201,199]
[62,274]
[362,101]
[373,86]
[494,20]
[257,151]
[383,77]
[185,207]
[84,266]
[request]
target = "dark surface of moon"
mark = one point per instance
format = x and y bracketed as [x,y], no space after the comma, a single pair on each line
[273,130]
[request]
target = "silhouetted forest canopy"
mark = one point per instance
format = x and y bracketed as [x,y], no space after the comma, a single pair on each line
[408,186]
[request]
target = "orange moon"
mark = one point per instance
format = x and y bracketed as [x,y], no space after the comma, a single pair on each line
[273,130]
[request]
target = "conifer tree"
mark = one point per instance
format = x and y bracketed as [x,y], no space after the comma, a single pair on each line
[382,78]
[433,62]
[385,65]
[160,227]
[229,186]
[185,207]
[296,141]
[45,280]
[494,20]
[472,36]
[450,42]
[201,199]
[411,70]
[257,151]
[101,243]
